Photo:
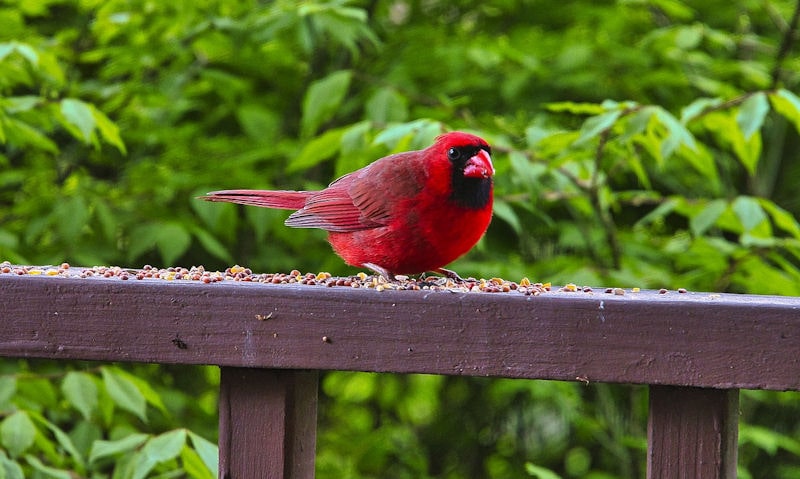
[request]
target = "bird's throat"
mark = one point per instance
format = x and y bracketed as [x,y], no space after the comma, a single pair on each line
[471,193]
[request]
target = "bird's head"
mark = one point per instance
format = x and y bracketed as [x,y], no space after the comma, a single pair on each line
[469,154]
[471,168]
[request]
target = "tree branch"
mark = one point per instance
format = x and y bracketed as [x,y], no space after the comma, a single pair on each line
[789,38]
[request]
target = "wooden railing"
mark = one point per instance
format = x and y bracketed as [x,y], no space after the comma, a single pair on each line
[695,350]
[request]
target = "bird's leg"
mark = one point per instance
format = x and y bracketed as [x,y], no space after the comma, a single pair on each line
[449,274]
[381,271]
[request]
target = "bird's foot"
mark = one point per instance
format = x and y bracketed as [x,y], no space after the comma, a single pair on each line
[447,273]
[390,277]
[380,271]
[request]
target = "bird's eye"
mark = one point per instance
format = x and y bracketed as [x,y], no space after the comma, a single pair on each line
[453,154]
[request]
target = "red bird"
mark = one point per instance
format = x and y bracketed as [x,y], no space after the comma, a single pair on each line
[409,212]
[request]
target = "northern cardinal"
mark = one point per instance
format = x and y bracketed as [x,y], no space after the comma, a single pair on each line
[405,213]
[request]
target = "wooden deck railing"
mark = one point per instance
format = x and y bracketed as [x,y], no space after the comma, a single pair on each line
[695,350]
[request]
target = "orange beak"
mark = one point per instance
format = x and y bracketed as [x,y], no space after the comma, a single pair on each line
[479,166]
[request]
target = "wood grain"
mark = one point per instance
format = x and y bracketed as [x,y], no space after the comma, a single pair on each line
[267,423]
[691,433]
[692,339]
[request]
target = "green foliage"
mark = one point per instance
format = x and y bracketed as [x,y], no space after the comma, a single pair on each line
[637,143]
[110,437]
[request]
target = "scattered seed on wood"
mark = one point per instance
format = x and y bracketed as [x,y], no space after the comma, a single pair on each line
[361,280]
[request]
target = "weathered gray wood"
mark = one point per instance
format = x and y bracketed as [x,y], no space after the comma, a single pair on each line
[692,339]
[692,433]
[267,423]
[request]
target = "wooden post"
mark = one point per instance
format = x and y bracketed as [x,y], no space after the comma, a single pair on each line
[267,423]
[692,433]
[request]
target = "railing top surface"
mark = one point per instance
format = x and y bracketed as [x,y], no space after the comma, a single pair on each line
[691,339]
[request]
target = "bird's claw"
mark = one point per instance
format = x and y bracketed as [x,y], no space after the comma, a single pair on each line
[390,277]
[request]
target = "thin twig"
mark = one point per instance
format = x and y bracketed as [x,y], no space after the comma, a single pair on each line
[788,40]
[603,214]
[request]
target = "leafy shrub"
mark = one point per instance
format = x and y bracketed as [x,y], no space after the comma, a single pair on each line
[638,143]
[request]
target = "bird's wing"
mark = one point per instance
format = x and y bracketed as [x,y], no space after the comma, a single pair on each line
[362,199]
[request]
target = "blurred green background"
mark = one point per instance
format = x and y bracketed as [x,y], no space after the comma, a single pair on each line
[637,143]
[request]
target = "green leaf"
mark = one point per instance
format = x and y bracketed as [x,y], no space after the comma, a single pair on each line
[258,122]
[81,116]
[17,433]
[536,133]
[677,134]
[16,104]
[47,471]
[638,169]
[355,151]
[749,212]
[194,466]
[150,394]
[108,129]
[505,212]
[747,150]
[707,216]
[317,150]
[8,387]
[596,125]
[576,108]
[659,213]
[787,104]
[323,99]
[207,450]
[752,113]
[124,393]
[5,49]
[25,50]
[636,123]
[782,218]
[688,37]
[172,241]
[540,472]
[10,469]
[28,52]
[67,445]
[71,215]
[400,136]
[80,390]
[386,106]
[765,439]
[697,107]
[165,446]
[23,135]
[158,449]
[102,449]
[212,245]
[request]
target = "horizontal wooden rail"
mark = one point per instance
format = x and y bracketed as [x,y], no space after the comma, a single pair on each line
[691,339]
[694,349]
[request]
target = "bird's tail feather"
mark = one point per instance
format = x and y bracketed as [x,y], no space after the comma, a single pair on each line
[283,199]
